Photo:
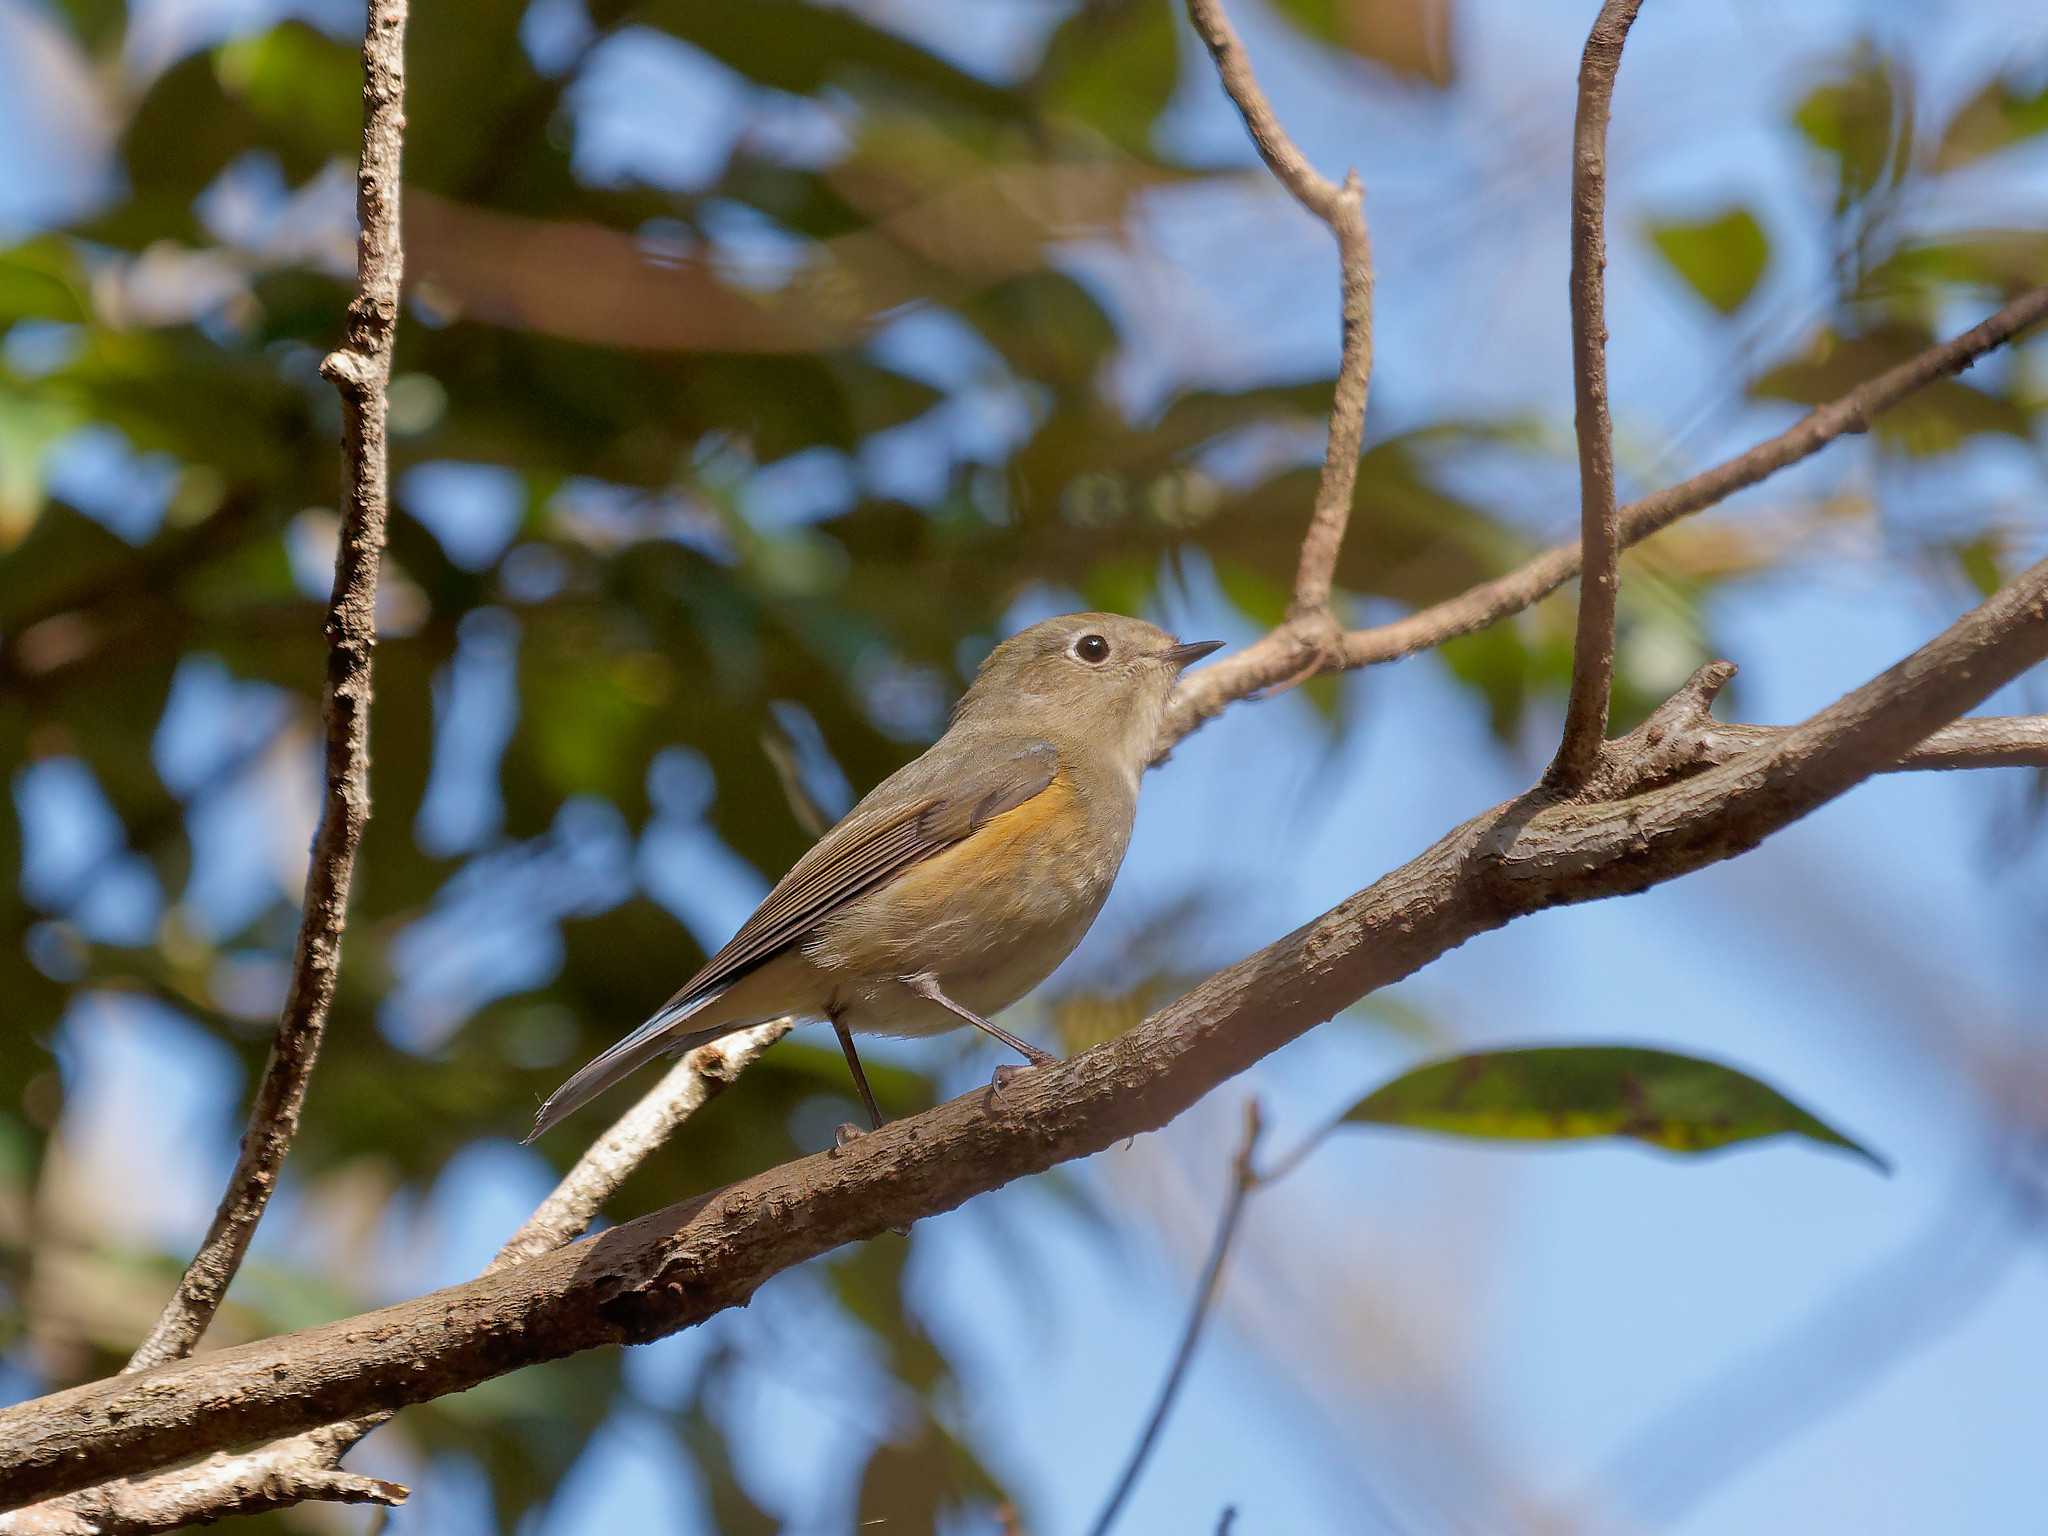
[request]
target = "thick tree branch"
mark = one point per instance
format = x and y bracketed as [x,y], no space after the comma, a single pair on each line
[1343,209]
[684,1264]
[1288,654]
[307,1467]
[359,371]
[1585,716]
[1681,791]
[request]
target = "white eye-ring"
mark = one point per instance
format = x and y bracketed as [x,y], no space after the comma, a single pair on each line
[1092,649]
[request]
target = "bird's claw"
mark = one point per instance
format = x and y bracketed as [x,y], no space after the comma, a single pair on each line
[1004,1075]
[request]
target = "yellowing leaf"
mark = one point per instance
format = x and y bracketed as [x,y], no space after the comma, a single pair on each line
[1997,117]
[1410,37]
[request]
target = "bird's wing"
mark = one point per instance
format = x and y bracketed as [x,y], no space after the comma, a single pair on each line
[867,848]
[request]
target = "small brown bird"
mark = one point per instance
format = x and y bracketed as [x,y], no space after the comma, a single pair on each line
[963,879]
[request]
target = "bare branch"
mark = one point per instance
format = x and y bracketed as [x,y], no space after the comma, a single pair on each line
[1585,718]
[1682,737]
[1310,187]
[2005,741]
[682,1265]
[1697,791]
[1343,209]
[360,371]
[1244,1179]
[687,1087]
[273,1476]
[1285,654]
[306,1467]
[1339,481]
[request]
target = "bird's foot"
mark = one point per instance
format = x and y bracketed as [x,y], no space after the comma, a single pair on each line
[1008,1073]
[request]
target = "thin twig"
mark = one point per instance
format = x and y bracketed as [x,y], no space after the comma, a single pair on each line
[245,1482]
[1991,741]
[307,1467]
[1585,719]
[1281,655]
[1339,481]
[1314,191]
[359,371]
[1342,208]
[1244,1178]
[1987,742]
[687,1087]
[676,1268]
[699,1077]
[1286,650]
[1853,412]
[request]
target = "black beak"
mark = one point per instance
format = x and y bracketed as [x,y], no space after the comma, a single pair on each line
[1185,655]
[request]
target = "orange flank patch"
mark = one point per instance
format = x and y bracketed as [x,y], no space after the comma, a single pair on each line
[1004,884]
[1047,826]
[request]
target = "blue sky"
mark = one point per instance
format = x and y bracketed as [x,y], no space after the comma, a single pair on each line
[1415,1334]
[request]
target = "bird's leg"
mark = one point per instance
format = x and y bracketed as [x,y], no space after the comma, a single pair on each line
[860,1081]
[926,986]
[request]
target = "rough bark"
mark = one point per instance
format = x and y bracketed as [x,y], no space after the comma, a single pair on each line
[684,1264]
[359,370]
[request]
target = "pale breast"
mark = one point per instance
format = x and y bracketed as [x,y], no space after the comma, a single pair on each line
[993,915]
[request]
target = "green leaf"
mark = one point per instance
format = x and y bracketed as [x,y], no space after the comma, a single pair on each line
[1937,419]
[1113,67]
[805,49]
[1862,120]
[1574,1093]
[299,81]
[1721,258]
[97,23]
[2006,261]
[1510,664]
[1978,559]
[1997,117]
[30,426]
[1253,593]
[41,280]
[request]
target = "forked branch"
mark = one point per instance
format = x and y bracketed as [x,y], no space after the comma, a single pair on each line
[1696,791]
[687,1263]
[1342,207]
[1278,657]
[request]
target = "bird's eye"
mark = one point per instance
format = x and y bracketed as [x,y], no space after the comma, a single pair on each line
[1092,649]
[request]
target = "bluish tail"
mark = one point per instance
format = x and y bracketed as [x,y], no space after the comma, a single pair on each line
[657,1037]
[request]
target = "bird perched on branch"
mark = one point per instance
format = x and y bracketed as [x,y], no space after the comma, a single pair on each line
[963,879]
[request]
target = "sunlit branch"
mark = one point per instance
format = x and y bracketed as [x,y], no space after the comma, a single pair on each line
[682,1265]
[1283,655]
[1342,208]
[1585,717]
[360,370]
[306,1467]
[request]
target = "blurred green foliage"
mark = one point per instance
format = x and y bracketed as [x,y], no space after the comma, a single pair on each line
[601,342]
